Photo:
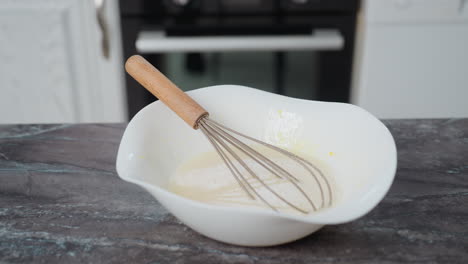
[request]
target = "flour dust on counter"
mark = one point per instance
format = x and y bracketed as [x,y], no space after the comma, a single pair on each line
[205,178]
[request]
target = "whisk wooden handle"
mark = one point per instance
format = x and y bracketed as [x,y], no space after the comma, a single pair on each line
[166,91]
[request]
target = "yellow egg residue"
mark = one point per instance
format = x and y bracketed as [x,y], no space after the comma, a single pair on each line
[206,178]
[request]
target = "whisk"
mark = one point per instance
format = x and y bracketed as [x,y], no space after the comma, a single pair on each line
[232,145]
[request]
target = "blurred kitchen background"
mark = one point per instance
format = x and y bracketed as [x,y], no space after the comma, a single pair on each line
[62,60]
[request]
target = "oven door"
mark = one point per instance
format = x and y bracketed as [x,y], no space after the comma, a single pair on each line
[283,64]
[305,56]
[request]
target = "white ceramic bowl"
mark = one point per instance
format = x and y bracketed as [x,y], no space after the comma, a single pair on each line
[358,149]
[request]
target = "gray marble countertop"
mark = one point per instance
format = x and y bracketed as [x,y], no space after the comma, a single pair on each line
[61,201]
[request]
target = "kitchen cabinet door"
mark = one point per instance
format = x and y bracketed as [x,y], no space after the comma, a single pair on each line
[52,63]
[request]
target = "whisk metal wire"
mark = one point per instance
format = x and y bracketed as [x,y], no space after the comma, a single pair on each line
[225,143]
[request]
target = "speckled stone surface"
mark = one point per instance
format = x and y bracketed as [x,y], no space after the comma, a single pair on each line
[62,202]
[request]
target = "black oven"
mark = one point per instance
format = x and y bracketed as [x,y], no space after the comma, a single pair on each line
[275,45]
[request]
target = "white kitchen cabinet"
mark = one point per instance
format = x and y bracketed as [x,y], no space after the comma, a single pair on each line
[52,67]
[411,58]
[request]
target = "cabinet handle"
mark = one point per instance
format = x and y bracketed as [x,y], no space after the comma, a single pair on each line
[462,5]
[104,27]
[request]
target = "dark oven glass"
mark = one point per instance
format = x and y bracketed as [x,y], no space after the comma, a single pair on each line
[299,48]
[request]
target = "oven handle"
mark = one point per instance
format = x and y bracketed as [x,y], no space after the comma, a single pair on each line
[158,42]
